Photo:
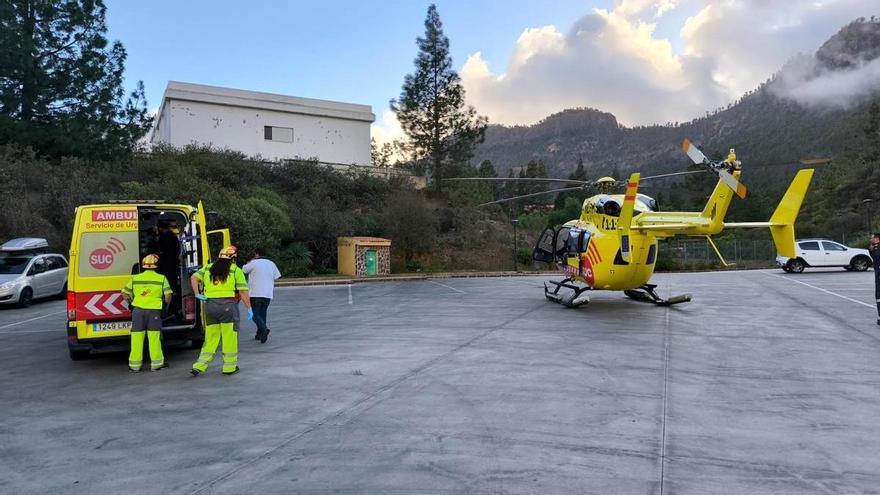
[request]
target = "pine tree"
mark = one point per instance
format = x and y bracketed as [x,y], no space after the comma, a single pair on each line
[487,170]
[431,107]
[61,81]
[579,174]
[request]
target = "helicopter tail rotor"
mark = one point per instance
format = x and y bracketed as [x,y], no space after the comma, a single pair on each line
[722,168]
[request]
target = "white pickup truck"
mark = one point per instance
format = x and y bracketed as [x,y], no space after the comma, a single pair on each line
[825,253]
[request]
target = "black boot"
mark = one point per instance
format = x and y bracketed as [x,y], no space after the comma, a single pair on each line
[264,336]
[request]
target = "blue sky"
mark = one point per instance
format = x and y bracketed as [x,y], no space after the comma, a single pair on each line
[355,51]
[645,61]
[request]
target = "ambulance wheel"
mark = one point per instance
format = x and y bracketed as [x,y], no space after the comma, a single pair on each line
[78,355]
[26,297]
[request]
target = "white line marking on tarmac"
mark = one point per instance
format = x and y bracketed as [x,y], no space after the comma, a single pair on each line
[31,319]
[350,299]
[821,289]
[448,287]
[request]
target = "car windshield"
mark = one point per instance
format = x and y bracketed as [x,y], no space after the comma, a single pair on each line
[13,265]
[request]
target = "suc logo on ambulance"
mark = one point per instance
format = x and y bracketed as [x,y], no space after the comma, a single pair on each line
[102,257]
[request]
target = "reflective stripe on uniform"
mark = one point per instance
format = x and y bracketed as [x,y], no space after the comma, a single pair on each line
[140,289]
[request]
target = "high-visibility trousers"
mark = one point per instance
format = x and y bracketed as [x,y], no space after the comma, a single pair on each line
[136,356]
[214,335]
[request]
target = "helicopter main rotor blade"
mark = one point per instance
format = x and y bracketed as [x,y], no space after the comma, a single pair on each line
[815,161]
[533,194]
[521,179]
[673,174]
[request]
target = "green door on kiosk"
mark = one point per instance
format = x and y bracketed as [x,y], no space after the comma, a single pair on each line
[372,263]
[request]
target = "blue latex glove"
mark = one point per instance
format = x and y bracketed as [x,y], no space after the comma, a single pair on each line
[201,297]
[250,314]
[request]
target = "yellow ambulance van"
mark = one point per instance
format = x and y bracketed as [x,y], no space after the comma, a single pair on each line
[106,247]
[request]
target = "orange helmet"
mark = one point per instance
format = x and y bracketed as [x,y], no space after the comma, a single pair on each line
[150,261]
[228,253]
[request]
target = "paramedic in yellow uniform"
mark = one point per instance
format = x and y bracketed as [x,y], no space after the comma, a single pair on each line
[146,292]
[219,282]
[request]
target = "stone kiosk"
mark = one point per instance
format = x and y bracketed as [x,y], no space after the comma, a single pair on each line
[363,256]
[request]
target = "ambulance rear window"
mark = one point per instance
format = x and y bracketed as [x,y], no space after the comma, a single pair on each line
[107,254]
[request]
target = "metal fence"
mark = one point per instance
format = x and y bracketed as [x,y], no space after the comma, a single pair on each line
[698,252]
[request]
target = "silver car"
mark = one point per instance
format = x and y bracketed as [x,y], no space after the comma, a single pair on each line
[27,274]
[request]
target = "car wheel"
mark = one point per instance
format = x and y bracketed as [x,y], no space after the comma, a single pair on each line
[79,355]
[859,264]
[26,297]
[796,266]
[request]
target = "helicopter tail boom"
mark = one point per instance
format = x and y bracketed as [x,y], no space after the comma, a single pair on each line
[781,224]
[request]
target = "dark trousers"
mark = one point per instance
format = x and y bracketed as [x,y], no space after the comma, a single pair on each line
[261,307]
[877,289]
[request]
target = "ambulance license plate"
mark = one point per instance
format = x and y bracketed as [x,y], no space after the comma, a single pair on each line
[111,326]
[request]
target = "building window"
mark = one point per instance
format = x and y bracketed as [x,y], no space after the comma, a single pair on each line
[280,134]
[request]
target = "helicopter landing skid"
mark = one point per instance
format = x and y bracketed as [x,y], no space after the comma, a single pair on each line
[578,298]
[646,293]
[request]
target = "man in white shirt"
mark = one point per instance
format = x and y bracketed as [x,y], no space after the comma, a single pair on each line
[261,274]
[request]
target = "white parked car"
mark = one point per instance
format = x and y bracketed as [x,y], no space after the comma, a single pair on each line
[825,253]
[28,271]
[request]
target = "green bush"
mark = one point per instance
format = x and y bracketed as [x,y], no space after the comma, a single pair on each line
[295,260]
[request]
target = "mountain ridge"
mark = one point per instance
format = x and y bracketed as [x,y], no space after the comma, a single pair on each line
[765,125]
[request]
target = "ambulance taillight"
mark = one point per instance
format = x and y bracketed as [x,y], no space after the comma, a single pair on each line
[189,308]
[71,306]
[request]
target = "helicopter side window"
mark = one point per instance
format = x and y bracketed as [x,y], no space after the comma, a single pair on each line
[578,240]
[562,240]
[650,202]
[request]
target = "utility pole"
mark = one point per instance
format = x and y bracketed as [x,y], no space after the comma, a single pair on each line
[514,221]
[868,203]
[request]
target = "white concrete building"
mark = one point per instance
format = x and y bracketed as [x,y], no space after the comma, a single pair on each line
[274,127]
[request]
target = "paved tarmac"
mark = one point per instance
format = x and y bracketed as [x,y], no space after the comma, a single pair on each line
[765,383]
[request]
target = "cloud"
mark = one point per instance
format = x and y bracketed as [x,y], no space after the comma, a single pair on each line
[803,82]
[616,61]
[388,130]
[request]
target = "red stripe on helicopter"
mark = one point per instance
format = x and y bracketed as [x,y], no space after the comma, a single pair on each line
[632,184]
[594,252]
[629,197]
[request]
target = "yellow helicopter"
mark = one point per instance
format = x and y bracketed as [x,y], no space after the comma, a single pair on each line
[613,245]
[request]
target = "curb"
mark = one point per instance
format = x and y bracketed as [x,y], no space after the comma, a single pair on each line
[306,282]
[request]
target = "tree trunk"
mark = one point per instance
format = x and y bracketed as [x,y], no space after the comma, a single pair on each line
[29,65]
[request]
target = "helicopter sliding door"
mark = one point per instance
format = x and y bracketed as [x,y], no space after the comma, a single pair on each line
[556,246]
[545,249]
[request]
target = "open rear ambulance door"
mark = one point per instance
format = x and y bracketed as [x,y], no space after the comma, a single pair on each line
[218,239]
[202,221]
